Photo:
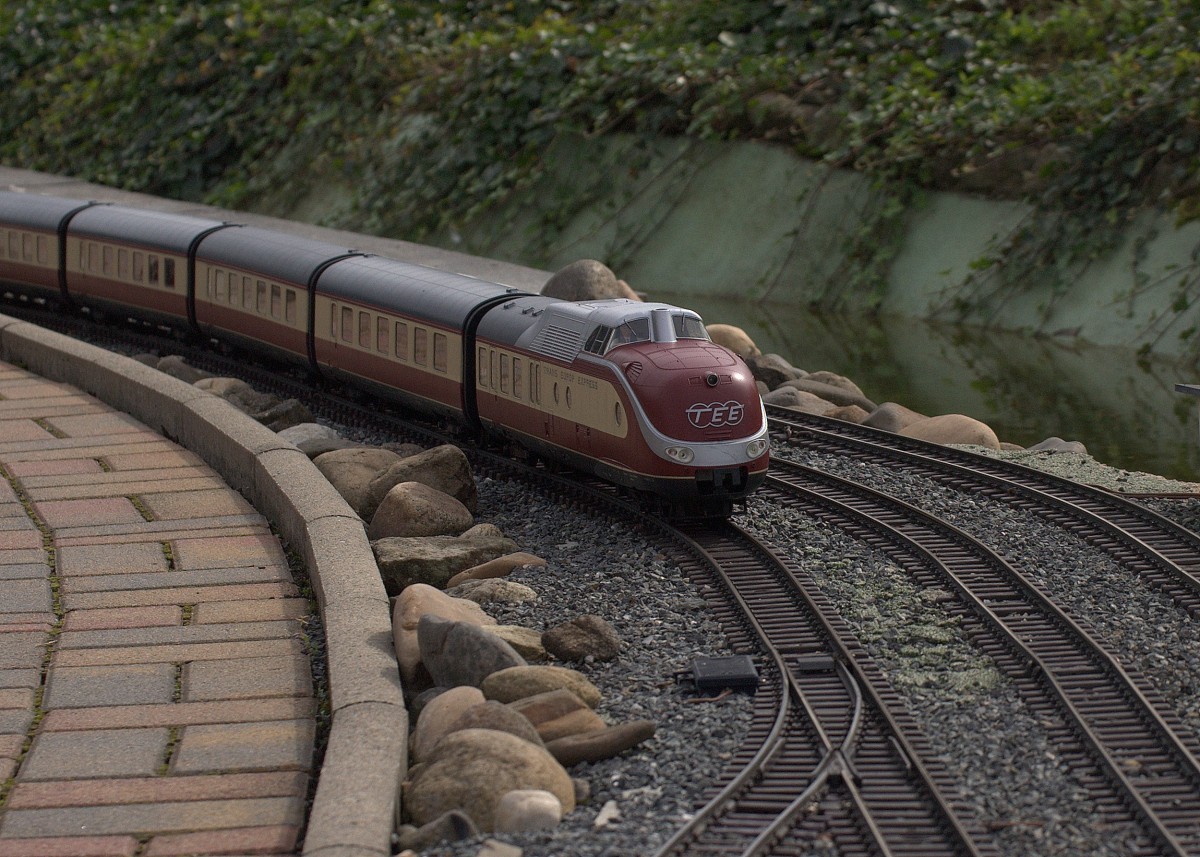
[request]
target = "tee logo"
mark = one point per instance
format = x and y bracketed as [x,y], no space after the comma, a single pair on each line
[715,415]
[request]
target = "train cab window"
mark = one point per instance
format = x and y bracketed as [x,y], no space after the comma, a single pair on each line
[289,307]
[139,267]
[402,340]
[122,264]
[347,324]
[43,250]
[440,362]
[597,343]
[276,301]
[169,273]
[634,330]
[517,377]
[152,269]
[247,293]
[382,328]
[364,329]
[484,379]
[420,346]
[689,327]
[505,373]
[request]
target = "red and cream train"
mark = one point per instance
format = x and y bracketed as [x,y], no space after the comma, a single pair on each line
[635,393]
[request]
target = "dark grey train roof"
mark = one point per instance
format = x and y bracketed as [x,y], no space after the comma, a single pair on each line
[507,322]
[278,255]
[436,296]
[151,229]
[38,212]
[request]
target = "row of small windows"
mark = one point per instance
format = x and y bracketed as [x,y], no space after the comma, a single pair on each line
[132,266]
[252,294]
[399,339]
[25,247]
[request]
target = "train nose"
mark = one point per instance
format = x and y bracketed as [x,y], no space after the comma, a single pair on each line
[699,394]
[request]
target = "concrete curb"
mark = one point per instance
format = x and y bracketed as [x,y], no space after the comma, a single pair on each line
[358,790]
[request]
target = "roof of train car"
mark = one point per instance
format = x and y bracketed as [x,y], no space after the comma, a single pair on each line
[276,254]
[34,210]
[151,229]
[437,296]
[508,321]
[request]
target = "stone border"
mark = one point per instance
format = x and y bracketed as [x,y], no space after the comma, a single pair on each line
[358,788]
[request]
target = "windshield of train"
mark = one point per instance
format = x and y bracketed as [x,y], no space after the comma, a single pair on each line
[689,327]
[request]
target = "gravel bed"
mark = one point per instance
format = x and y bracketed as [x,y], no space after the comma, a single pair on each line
[609,570]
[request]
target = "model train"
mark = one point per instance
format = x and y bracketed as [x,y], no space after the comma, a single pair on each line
[635,393]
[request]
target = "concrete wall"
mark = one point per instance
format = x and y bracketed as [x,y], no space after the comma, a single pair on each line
[688,218]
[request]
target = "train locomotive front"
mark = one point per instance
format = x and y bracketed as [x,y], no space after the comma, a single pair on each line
[634,392]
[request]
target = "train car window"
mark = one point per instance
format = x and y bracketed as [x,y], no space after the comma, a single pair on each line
[93,263]
[420,346]
[402,340]
[382,328]
[123,264]
[261,291]
[494,368]
[689,327]
[276,301]
[3,248]
[364,329]
[43,251]
[505,373]
[218,290]
[482,367]
[347,324]
[517,377]
[535,384]
[27,248]
[333,320]
[152,269]
[139,267]
[14,245]
[289,307]
[247,293]
[440,362]
[169,273]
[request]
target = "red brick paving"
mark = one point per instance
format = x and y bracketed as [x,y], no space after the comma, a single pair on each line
[177,715]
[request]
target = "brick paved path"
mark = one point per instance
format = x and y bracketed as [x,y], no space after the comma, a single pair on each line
[155,696]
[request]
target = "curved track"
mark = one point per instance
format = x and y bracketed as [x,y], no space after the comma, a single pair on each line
[841,764]
[1112,723]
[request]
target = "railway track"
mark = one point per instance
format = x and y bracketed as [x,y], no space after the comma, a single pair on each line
[1120,740]
[834,760]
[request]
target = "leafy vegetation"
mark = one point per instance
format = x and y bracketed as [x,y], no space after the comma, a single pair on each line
[436,110]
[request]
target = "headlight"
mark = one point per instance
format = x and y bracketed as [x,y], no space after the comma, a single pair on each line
[755,448]
[680,453]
